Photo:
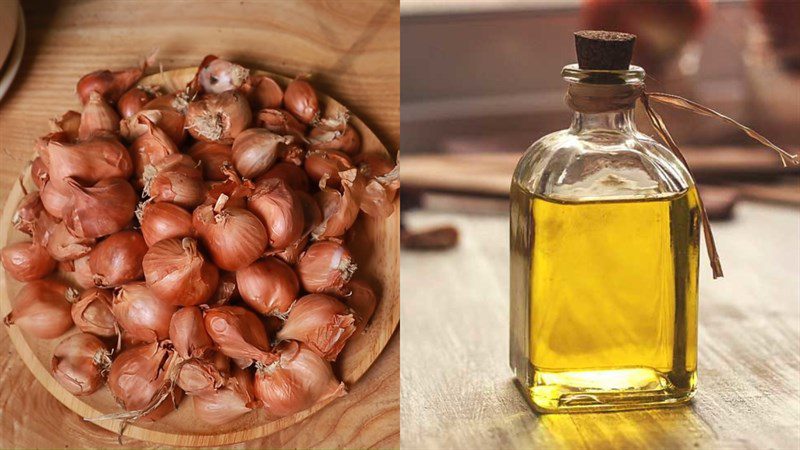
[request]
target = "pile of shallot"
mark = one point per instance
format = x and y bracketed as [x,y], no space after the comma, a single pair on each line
[197,240]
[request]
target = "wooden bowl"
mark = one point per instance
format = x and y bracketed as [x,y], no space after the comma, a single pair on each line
[375,246]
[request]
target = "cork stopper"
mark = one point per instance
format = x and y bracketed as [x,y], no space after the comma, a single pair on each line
[604,50]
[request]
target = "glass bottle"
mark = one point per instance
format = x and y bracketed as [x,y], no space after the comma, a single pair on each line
[604,261]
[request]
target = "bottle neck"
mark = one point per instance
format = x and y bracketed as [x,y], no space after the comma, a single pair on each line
[619,121]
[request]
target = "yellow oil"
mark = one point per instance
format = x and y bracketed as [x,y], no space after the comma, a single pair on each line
[604,301]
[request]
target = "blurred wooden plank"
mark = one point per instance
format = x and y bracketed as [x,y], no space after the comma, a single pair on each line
[490,173]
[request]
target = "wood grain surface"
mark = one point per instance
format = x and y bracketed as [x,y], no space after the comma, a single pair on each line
[352,51]
[457,386]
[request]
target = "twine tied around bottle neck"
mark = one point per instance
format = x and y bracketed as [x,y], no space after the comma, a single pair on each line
[599,98]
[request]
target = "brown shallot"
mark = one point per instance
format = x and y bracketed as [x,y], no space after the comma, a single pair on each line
[98,118]
[263,92]
[321,322]
[339,209]
[150,148]
[143,316]
[78,272]
[188,333]
[99,210]
[218,117]
[164,220]
[27,261]
[296,381]
[89,161]
[178,273]
[293,175]
[326,267]
[281,122]
[212,157]
[141,381]
[117,259]
[291,254]
[65,246]
[347,141]
[42,309]
[69,123]
[226,290]
[133,101]
[269,286]
[54,199]
[256,150]
[27,213]
[233,236]
[39,173]
[327,164]
[80,362]
[92,313]
[239,334]
[301,100]
[169,121]
[202,376]
[176,179]
[280,210]
[111,85]
[231,401]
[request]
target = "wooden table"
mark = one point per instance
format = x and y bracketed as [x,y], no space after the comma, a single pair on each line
[457,388]
[351,48]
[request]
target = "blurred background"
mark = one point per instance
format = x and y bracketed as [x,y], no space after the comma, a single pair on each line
[482,78]
[481,82]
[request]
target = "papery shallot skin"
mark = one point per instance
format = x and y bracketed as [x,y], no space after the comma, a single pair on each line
[164,220]
[200,376]
[42,309]
[187,331]
[92,312]
[238,333]
[301,100]
[139,379]
[269,286]
[233,400]
[219,117]
[321,322]
[280,209]
[234,236]
[102,209]
[177,272]
[117,259]
[297,381]
[143,316]
[27,261]
[79,362]
[325,268]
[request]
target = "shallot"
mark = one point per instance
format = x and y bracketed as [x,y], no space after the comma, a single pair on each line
[296,381]
[326,267]
[188,333]
[321,322]
[118,259]
[27,261]
[269,286]
[42,308]
[143,316]
[92,313]
[80,362]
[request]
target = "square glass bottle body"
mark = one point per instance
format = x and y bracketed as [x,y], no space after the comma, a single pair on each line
[604,256]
